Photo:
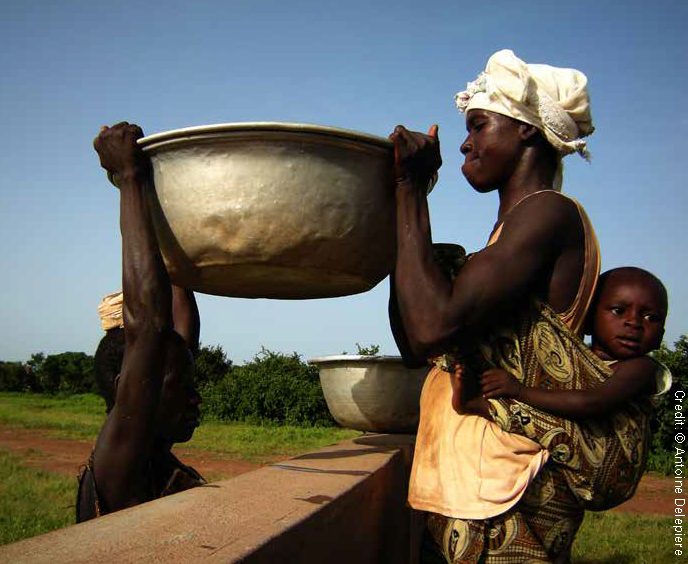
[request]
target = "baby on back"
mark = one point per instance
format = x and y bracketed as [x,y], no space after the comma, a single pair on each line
[626,322]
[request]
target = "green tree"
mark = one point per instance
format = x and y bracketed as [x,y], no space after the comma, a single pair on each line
[274,388]
[68,372]
[212,365]
[34,365]
[13,377]
[370,350]
[662,449]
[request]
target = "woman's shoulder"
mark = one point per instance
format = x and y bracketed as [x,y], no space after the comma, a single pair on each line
[550,199]
[545,211]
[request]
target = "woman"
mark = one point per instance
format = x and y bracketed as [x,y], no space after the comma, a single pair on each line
[518,304]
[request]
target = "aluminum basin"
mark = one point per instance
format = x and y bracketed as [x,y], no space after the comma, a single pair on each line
[371,393]
[273,210]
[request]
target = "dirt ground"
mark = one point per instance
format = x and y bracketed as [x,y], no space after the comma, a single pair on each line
[65,456]
[654,494]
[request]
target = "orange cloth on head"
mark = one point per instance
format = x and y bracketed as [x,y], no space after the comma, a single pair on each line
[110,311]
[466,466]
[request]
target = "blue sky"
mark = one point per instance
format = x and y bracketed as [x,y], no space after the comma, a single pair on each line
[70,66]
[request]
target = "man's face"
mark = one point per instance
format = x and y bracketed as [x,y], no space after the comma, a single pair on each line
[629,319]
[178,413]
[492,149]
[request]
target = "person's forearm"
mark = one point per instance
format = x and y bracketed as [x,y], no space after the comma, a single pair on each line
[187,321]
[146,285]
[434,309]
[398,332]
[573,404]
[422,291]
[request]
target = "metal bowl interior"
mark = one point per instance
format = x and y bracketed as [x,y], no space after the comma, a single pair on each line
[371,393]
[273,210]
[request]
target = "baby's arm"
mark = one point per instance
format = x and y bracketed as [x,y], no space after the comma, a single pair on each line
[632,379]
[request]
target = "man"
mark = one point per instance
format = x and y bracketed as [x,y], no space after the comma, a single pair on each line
[153,401]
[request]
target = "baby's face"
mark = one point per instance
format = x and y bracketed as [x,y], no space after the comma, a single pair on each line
[629,319]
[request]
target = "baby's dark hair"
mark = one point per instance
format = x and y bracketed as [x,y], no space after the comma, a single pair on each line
[628,270]
[108,363]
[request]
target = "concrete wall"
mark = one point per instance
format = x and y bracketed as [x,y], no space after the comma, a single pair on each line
[344,503]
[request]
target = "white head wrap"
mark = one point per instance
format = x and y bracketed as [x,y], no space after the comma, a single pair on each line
[553,99]
[110,311]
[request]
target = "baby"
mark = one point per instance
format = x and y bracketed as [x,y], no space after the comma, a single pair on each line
[626,321]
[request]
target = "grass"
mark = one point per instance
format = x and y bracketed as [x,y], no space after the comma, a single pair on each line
[69,417]
[624,538]
[259,443]
[32,501]
[81,416]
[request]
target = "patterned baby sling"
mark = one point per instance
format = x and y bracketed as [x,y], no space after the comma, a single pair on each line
[603,458]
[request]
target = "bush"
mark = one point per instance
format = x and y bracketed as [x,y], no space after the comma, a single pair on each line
[15,377]
[65,373]
[272,388]
[661,456]
[369,350]
[212,365]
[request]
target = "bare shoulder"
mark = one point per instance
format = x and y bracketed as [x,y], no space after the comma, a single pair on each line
[545,207]
[546,217]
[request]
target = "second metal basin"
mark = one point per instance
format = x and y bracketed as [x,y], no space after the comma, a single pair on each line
[371,393]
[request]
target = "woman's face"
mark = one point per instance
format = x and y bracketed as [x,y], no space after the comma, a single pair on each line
[492,149]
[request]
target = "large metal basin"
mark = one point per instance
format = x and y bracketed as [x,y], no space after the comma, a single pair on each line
[371,393]
[273,210]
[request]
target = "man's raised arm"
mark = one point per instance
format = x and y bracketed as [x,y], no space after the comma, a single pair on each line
[124,443]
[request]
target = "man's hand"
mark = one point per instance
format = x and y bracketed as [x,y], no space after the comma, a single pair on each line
[497,383]
[416,156]
[119,153]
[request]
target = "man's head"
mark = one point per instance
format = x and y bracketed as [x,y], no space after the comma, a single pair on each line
[178,412]
[108,363]
[551,99]
[626,318]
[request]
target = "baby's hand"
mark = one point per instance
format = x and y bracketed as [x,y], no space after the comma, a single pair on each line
[497,383]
